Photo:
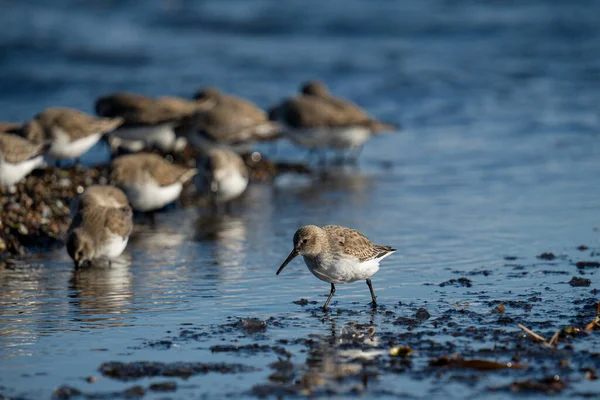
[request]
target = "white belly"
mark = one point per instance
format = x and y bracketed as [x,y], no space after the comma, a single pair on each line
[313,138]
[230,187]
[160,136]
[112,248]
[10,173]
[149,196]
[62,148]
[341,270]
[348,138]
[337,138]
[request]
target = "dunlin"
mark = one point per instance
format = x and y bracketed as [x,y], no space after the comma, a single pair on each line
[101,233]
[70,132]
[149,122]
[99,196]
[229,121]
[336,254]
[18,157]
[225,176]
[318,120]
[149,181]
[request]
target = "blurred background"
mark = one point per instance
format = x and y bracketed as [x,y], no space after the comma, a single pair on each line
[498,156]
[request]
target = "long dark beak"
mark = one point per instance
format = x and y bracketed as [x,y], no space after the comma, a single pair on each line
[292,255]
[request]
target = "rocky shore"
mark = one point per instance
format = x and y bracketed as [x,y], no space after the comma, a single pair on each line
[37,214]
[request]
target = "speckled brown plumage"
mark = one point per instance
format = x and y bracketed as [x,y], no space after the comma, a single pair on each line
[232,119]
[315,107]
[136,167]
[74,123]
[352,242]
[223,159]
[103,221]
[94,228]
[103,196]
[15,149]
[10,127]
[139,110]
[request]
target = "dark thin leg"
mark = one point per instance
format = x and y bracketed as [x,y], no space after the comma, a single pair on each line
[228,207]
[329,298]
[77,164]
[309,155]
[273,148]
[214,204]
[152,216]
[109,263]
[354,154]
[323,158]
[374,303]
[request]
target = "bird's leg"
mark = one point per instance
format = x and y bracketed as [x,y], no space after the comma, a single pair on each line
[76,164]
[228,207]
[152,216]
[354,154]
[273,149]
[340,158]
[109,263]
[214,204]
[370,285]
[323,158]
[329,298]
[309,155]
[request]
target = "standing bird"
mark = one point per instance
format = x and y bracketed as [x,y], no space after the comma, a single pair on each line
[225,176]
[229,121]
[99,233]
[70,132]
[336,254]
[318,120]
[149,181]
[149,122]
[18,157]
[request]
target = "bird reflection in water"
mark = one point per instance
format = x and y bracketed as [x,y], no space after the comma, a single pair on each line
[325,185]
[100,293]
[339,363]
[225,236]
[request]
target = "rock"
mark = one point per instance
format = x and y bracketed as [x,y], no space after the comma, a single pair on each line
[422,314]
[546,256]
[577,281]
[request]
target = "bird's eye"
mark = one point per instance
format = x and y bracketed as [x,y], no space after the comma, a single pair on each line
[304,241]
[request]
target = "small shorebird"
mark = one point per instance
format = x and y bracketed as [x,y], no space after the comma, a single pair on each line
[70,132]
[229,121]
[99,233]
[18,157]
[99,196]
[149,122]
[225,176]
[336,254]
[318,120]
[149,181]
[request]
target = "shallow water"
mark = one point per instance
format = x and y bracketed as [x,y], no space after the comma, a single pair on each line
[498,157]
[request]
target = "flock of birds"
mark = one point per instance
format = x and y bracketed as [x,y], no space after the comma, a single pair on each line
[219,127]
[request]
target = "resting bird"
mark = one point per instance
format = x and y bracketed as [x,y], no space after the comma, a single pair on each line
[317,120]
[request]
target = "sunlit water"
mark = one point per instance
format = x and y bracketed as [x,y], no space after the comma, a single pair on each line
[498,156]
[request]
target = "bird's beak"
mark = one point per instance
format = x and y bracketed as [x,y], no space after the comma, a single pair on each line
[292,255]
